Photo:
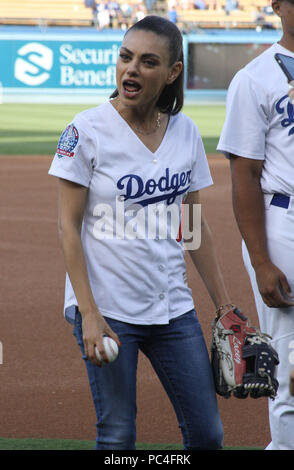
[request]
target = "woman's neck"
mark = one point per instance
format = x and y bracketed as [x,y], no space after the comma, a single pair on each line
[144,116]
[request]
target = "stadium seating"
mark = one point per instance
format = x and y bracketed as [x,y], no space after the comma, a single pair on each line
[219,19]
[75,13]
[250,4]
[248,15]
[48,12]
[242,4]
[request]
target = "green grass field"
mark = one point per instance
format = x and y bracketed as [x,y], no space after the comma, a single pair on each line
[68,444]
[34,129]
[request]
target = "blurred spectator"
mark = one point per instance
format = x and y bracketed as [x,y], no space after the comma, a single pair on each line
[103,15]
[231,5]
[126,9]
[268,10]
[149,4]
[261,20]
[199,5]
[140,12]
[172,14]
[212,4]
[116,13]
[113,7]
[92,4]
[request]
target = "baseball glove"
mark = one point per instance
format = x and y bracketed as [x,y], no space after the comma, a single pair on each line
[243,362]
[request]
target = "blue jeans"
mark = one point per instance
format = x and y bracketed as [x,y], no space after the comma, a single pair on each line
[179,356]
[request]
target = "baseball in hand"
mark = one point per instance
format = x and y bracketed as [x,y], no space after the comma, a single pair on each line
[111,349]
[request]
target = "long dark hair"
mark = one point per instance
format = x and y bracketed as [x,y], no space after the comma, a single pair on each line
[171,99]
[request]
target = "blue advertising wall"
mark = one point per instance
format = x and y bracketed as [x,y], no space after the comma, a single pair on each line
[68,65]
[59,64]
[42,65]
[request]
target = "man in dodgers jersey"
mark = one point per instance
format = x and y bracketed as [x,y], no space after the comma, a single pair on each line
[258,137]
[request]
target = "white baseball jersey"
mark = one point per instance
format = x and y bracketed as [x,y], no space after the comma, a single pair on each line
[260,125]
[136,279]
[259,120]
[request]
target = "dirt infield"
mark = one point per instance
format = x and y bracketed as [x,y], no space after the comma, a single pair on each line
[43,384]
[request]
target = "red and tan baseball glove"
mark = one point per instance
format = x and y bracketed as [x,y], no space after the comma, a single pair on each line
[243,362]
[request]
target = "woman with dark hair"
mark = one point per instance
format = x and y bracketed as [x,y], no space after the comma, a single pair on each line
[126,169]
[171,99]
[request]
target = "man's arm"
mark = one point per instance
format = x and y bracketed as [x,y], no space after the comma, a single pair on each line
[249,210]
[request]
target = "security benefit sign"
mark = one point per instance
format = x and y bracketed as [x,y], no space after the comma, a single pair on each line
[57,64]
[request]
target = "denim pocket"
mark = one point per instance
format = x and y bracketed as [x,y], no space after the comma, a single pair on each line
[70,314]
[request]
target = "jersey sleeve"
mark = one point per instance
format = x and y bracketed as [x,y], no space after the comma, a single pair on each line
[200,173]
[246,122]
[76,154]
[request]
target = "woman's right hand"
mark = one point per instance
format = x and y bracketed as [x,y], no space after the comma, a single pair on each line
[94,328]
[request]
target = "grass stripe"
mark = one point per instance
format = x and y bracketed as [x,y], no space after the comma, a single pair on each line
[35,129]
[68,444]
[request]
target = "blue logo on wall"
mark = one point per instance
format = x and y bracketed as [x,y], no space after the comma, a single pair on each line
[281,107]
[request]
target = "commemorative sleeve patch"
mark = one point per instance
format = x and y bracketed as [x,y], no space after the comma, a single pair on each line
[67,142]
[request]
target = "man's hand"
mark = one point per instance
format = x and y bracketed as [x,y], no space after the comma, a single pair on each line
[273,286]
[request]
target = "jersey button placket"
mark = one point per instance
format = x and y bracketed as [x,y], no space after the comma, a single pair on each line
[161,280]
[161,268]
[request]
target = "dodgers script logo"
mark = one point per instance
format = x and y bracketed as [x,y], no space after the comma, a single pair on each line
[67,142]
[135,187]
[284,105]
